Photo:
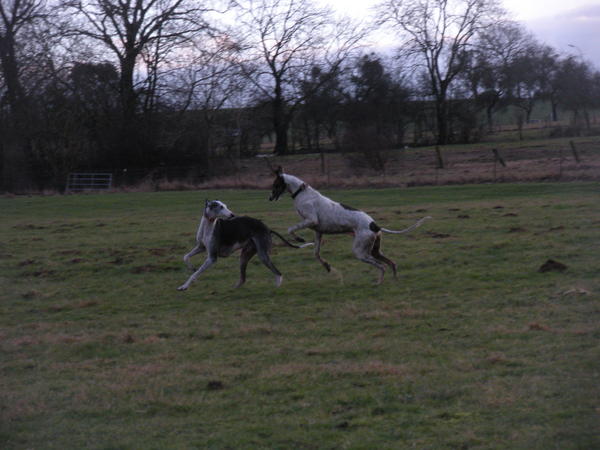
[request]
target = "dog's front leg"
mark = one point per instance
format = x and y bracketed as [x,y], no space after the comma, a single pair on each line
[306,223]
[207,263]
[199,248]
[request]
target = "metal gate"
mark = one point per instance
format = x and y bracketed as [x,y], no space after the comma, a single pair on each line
[82,182]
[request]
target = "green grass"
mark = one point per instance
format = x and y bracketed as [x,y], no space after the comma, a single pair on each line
[471,347]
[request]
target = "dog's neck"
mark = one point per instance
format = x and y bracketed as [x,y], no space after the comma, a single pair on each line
[206,225]
[294,185]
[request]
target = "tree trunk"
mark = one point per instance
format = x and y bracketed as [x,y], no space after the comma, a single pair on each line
[127,92]
[15,167]
[528,111]
[280,125]
[10,71]
[490,119]
[126,154]
[520,122]
[442,121]
[307,134]
[281,138]
[400,131]
[554,110]
[16,174]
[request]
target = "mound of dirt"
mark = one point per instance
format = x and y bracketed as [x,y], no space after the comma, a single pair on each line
[552,266]
[516,230]
[438,235]
[215,385]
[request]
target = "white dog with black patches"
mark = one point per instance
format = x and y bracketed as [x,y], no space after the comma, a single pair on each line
[220,233]
[325,216]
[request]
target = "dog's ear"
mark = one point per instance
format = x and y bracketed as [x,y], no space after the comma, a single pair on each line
[278,171]
[206,202]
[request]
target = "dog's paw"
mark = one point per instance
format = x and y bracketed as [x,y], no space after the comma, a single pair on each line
[183,287]
[327,267]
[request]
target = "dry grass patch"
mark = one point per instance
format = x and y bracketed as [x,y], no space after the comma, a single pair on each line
[373,368]
[497,393]
[392,313]
[47,339]
[16,407]
[255,330]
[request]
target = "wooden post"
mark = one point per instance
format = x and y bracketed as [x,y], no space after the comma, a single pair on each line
[574,150]
[440,160]
[322,156]
[498,157]
[560,159]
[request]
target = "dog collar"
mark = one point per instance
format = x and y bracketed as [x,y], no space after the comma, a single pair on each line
[300,189]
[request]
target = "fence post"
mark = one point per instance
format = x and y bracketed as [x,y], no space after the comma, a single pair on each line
[497,159]
[440,160]
[574,150]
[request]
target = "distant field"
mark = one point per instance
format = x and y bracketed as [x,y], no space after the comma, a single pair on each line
[471,347]
[531,160]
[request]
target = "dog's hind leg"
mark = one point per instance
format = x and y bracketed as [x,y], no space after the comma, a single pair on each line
[207,263]
[376,253]
[318,240]
[262,248]
[371,260]
[186,259]
[363,247]
[245,256]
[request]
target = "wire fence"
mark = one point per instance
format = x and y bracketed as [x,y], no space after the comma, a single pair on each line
[403,167]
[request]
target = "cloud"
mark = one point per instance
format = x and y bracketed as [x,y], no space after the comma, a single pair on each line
[571,32]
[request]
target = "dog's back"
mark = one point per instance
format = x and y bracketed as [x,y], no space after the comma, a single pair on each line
[334,217]
[237,230]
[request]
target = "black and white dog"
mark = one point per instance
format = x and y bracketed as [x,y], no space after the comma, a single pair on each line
[221,233]
[324,216]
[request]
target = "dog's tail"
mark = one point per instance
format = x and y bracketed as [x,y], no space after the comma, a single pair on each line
[406,230]
[288,243]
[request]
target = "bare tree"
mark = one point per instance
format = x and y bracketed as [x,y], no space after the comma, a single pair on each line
[284,41]
[490,75]
[436,35]
[134,31]
[202,85]
[577,84]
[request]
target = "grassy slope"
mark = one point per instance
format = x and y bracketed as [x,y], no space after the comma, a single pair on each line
[470,347]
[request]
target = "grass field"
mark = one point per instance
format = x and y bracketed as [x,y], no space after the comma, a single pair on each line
[471,347]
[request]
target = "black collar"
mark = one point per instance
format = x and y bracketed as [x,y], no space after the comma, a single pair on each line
[300,189]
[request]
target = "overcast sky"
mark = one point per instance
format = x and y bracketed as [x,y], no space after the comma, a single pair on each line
[555,22]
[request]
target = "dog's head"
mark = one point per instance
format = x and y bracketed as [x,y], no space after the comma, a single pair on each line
[217,210]
[279,184]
